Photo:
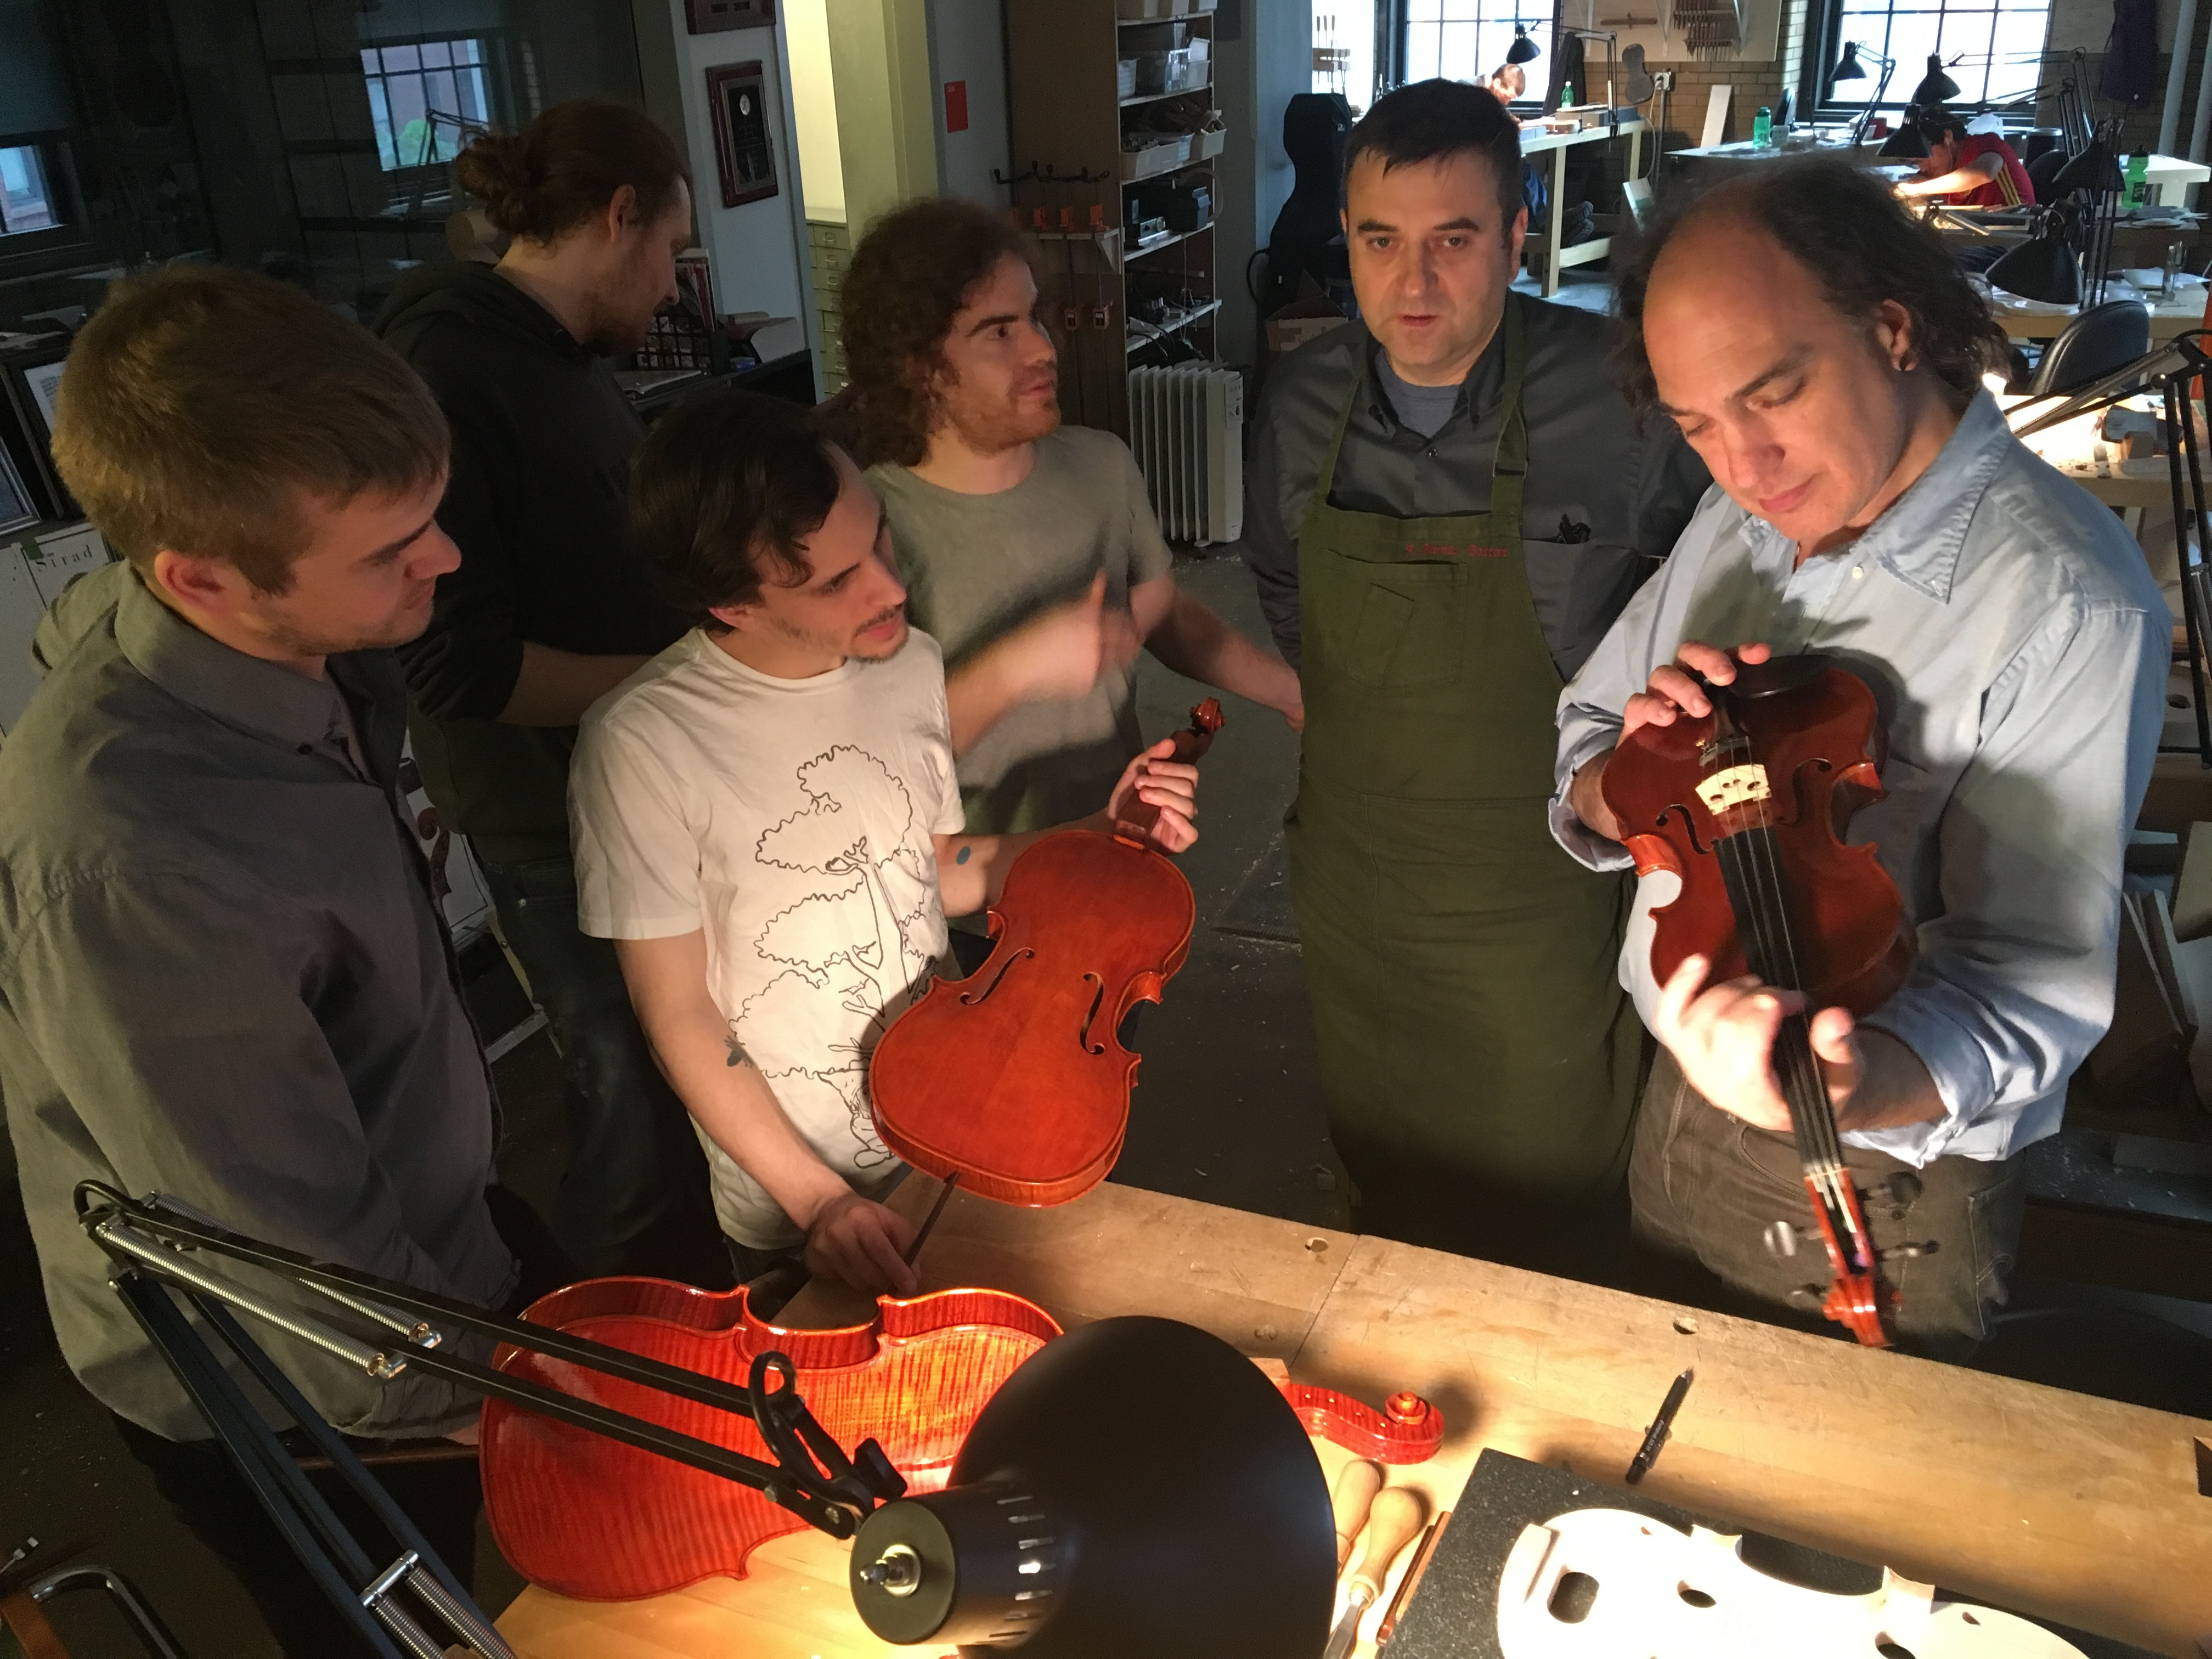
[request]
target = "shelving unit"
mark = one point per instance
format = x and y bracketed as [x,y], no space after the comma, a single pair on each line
[1069,123]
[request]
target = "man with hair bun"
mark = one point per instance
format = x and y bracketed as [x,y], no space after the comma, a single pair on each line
[1451,502]
[223,975]
[548,611]
[1824,354]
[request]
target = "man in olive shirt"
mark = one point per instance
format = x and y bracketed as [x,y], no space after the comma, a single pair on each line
[223,976]
[1451,503]
[1022,541]
[547,612]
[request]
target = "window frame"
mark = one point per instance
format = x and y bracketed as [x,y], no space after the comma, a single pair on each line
[1812,88]
[53,247]
[1400,34]
[428,181]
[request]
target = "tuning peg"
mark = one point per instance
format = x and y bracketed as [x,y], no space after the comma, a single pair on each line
[1781,1238]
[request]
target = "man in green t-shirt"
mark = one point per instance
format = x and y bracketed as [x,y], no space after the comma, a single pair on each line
[1011,529]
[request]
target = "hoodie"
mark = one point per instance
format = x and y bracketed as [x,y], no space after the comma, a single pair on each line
[542,443]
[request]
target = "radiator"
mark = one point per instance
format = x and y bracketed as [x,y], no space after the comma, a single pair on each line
[1187,427]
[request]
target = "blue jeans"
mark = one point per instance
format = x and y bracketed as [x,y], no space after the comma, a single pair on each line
[634,1198]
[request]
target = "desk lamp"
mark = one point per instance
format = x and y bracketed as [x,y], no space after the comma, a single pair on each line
[1144,1490]
[2094,175]
[1935,87]
[1523,49]
[1848,68]
[2044,267]
[1113,1452]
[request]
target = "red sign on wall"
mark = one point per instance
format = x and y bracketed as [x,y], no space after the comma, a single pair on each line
[956,106]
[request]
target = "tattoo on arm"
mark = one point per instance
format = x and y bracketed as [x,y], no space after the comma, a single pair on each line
[738,1056]
[961,857]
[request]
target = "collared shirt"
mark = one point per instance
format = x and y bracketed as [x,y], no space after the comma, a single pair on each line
[2017,648]
[223,977]
[1603,501]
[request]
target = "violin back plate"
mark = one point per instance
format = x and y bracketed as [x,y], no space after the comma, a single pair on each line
[591,1518]
[1013,1079]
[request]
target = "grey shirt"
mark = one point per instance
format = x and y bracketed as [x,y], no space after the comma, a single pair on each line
[977,567]
[223,978]
[2017,647]
[1604,500]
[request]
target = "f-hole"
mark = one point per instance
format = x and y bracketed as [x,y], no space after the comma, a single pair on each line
[1097,996]
[1689,824]
[971,997]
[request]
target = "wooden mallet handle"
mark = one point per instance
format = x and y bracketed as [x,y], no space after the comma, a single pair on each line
[1395,1516]
[1357,1483]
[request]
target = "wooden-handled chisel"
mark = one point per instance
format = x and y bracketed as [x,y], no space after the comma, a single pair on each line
[1357,1483]
[1393,1519]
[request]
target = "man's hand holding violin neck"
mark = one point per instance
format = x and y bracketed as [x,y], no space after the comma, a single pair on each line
[1723,1037]
[1674,690]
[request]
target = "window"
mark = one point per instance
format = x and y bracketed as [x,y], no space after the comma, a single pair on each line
[1344,55]
[1465,39]
[423,97]
[26,203]
[1998,45]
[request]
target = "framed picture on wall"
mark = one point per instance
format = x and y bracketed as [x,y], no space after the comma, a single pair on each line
[744,151]
[712,16]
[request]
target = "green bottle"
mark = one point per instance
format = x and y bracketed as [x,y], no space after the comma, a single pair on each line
[1567,94]
[1762,128]
[2138,180]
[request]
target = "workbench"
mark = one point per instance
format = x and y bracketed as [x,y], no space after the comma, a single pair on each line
[2083,1510]
[1552,257]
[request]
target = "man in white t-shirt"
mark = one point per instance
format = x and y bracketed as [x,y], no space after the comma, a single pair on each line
[766,822]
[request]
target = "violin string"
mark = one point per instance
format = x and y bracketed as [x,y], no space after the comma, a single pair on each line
[1804,1087]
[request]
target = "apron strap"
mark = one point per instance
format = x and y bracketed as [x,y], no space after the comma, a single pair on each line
[1509,469]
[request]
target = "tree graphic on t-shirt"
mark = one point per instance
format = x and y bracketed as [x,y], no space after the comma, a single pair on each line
[849,939]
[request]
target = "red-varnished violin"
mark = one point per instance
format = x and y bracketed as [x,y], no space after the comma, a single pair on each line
[1013,1082]
[1747,805]
[601,1520]
[596,1519]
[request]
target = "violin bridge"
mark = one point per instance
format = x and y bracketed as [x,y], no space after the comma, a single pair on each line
[1738,786]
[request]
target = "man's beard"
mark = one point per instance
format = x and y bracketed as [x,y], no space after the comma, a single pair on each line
[1005,426]
[847,646]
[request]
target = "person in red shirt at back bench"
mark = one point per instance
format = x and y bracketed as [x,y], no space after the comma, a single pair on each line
[1967,169]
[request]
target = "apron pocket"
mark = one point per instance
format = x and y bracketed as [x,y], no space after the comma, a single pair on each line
[1409,634]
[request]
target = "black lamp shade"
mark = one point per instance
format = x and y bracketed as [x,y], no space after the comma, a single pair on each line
[2094,168]
[1848,67]
[2042,268]
[1935,87]
[1523,49]
[1137,1487]
[1908,142]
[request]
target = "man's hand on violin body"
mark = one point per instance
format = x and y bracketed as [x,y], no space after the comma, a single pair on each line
[1672,693]
[1723,1037]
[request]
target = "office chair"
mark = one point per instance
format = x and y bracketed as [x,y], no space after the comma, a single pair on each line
[2099,340]
[2043,172]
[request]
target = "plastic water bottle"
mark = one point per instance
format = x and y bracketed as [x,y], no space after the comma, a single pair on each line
[1567,94]
[2138,180]
[1762,128]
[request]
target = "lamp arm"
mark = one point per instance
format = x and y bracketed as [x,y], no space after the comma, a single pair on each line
[1866,116]
[152,1237]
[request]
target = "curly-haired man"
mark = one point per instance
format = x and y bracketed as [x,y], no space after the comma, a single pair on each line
[1011,529]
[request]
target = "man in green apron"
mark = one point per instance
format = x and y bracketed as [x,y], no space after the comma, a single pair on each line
[1453,503]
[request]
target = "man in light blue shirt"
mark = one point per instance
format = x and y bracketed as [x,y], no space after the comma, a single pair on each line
[1822,354]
